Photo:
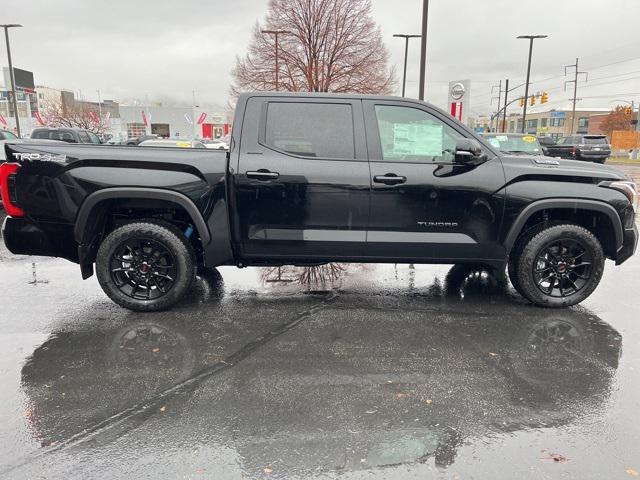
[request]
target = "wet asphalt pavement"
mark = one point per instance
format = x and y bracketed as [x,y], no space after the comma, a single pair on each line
[377,372]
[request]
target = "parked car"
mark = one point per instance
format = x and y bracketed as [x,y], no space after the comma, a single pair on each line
[7,135]
[518,143]
[546,141]
[161,142]
[592,148]
[215,143]
[319,178]
[140,139]
[69,135]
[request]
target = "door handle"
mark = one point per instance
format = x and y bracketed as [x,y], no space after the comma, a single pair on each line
[389,179]
[263,174]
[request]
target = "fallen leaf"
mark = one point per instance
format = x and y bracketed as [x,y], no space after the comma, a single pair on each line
[267,470]
[632,472]
[556,457]
[493,354]
[428,401]
[155,349]
[400,396]
[163,408]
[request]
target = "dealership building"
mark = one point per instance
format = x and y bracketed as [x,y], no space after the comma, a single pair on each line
[122,121]
[558,122]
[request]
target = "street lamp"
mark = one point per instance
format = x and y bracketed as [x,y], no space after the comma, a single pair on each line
[406,50]
[276,33]
[423,47]
[531,38]
[11,76]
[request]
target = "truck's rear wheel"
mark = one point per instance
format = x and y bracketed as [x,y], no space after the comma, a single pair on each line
[145,266]
[560,266]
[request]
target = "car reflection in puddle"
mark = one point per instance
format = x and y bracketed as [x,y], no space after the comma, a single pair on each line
[365,379]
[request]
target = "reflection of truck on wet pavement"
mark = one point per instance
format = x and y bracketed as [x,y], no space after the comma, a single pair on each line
[316,178]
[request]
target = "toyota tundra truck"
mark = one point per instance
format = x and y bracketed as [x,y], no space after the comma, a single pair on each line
[315,178]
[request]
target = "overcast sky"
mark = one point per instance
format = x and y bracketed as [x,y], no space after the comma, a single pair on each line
[164,50]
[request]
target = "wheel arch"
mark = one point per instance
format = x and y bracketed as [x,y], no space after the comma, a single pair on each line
[95,208]
[600,209]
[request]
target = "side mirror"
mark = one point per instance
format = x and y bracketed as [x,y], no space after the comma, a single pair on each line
[469,150]
[545,151]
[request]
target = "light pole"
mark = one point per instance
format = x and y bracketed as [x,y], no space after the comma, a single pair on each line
[423,47]
[531,38]
[276,34]
[406,51]
[11,75]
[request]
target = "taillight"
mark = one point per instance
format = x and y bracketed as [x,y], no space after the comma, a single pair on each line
[7,189]
[574,151]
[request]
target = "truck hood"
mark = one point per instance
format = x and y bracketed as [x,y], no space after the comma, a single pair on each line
[519,165]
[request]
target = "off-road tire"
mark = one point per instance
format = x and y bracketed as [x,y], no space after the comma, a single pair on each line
[516,252]
[164,234]
[535,246]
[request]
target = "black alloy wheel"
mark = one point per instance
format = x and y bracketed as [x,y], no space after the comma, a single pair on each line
[562,268]
[143,269]
[146,266]
[558,266]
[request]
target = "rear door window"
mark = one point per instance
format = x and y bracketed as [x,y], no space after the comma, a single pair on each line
[311,129]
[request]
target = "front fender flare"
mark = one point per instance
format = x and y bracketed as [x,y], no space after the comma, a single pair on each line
[571,203]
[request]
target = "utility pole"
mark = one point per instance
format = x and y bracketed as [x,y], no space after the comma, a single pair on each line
[406,50]
[634,152]
[531,38]
[499,97]
[276,34]
[423,47]
[11,73]
[575,90]
[504,113]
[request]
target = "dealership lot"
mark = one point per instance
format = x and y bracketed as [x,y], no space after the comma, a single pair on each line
[384,372]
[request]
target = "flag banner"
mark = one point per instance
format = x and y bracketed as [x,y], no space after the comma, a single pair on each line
[188,119]
[3,121]
[201,118]
[144,118]
[39,118]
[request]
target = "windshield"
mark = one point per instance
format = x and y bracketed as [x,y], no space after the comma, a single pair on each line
[594,140]
[8,135]
[515,143]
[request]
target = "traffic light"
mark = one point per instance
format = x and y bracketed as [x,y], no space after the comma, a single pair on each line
[532,100]
[522,101]
[544,98]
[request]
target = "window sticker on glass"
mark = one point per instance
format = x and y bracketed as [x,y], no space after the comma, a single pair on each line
[494,142]
[502,138]
[529,138]
[420,139]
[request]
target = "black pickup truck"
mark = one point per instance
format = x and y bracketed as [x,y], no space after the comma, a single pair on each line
[591,148]
[316,178]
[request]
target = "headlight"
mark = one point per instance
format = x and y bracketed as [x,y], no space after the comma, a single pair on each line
[629,189]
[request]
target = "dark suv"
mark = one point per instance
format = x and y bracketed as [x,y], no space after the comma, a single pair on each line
[592,148]
[69,135]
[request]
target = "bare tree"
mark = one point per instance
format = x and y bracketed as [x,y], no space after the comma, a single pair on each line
[76,114]
[329,46]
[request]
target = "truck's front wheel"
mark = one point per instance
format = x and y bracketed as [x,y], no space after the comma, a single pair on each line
[145,266]
[560,266]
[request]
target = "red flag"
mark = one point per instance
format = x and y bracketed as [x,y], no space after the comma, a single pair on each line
[3,121]
[94,117]
[144,118]
[39,118]
[201,118]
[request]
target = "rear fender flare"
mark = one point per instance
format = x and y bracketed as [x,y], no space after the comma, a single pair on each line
[84,235]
